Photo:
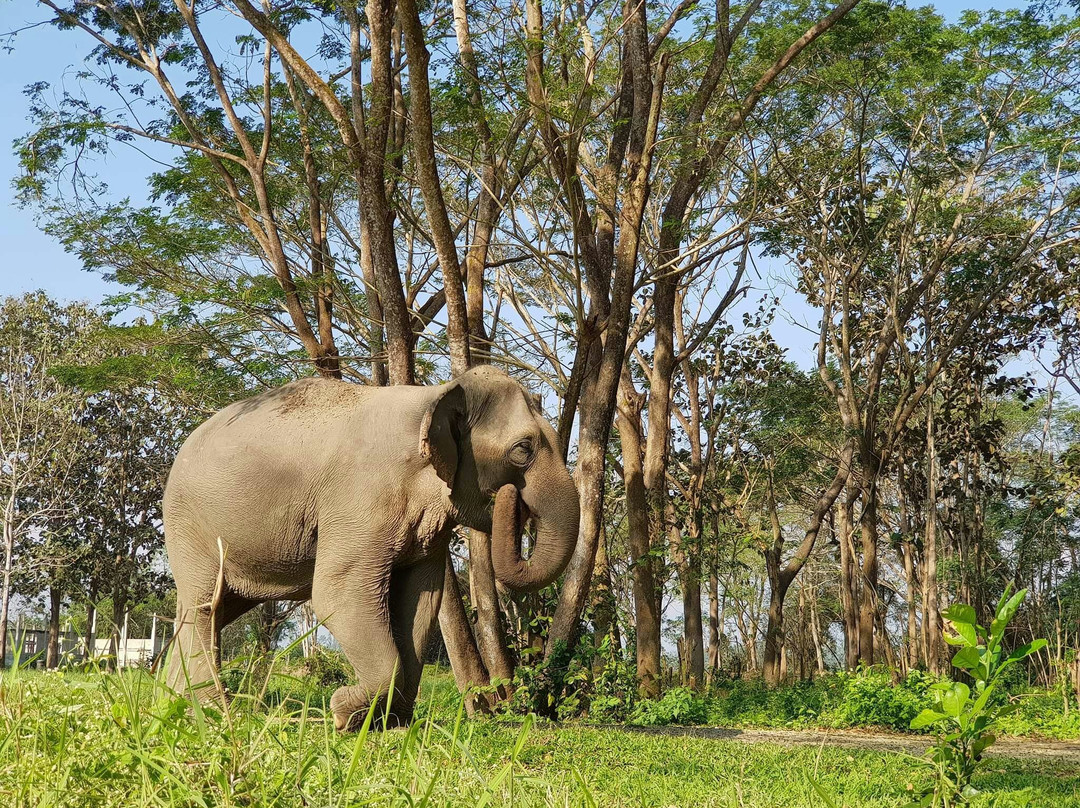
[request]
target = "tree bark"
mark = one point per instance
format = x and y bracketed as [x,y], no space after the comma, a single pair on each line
[690,584]
[605,615]
[5,588]
[714,623]
[469,671]
[848,580]
[52,652]
[931,612]
[646,600]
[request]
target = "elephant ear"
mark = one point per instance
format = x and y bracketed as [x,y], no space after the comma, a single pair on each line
[440,430]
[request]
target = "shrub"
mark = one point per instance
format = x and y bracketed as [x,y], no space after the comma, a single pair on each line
[680,705]
[870,697]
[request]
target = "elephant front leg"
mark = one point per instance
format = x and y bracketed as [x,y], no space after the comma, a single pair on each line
[415,596]
[353,603]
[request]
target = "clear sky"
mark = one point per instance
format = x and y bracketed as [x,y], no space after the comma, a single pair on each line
[31,259]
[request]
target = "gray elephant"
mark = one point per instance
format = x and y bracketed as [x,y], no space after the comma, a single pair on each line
[348,495]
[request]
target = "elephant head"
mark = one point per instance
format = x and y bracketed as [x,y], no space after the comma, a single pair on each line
[485,436]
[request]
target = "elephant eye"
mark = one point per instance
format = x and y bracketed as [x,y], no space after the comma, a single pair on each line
[521,453]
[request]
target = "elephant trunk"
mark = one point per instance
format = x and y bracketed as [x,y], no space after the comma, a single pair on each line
[556,515]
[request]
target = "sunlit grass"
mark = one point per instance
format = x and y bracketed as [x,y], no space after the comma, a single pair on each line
[95,739]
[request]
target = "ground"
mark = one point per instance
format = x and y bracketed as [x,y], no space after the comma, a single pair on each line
[119,741]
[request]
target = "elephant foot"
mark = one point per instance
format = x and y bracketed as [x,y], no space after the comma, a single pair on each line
[350,712]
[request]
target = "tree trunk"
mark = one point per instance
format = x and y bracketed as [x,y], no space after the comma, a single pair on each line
[52,653]
[931,613]
[646,600]
[118,612]
[5,589]
[267,626]
[714,623]
[690,583]
[774,632]
[605,616]
[91,618]
[868,604]
[907,553]
[469,671]
[848,581]
[815,633]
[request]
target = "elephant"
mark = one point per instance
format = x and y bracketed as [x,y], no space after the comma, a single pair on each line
[348,495]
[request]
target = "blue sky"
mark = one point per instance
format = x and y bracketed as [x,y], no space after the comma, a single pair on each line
[32,260]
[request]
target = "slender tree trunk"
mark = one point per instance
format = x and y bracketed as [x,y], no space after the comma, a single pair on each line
[5,588]
[848,581]
[605,616]
[118,612]
[714,623]
[907,553]
[931,612]
[868,605]
[457,636]
[815,632]
[91,618]
[646,600]
[52,653]
[687,563]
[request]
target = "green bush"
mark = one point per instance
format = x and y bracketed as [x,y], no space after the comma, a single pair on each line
[870,698]
[680,705]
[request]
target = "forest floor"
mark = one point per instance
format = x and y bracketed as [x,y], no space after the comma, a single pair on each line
[868,740]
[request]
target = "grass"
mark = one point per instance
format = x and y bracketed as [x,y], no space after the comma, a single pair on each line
[69,739]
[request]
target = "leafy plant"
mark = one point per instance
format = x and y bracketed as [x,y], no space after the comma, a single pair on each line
[679,705]
[964,718]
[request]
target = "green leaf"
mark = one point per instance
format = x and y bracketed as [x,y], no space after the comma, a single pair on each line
[981,744]
[1008,611]
[954,701]
[981,701]
[959,613]
[926,718]
[1024,651]
[967,658]
[967,631]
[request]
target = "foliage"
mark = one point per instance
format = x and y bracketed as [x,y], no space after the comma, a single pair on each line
[679,705]
[964,719]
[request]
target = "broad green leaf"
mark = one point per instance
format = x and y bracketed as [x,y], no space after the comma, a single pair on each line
[1008,611]
[967,631]
[967,658]
[926,718]
[982,743]
[983,697]
[1024,651]
[959,613]
[954,700]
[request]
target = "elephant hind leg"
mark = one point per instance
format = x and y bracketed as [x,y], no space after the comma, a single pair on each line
[415,596]
[354,605]
[194,657]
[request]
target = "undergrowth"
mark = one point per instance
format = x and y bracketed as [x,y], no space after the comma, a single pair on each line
[123,741]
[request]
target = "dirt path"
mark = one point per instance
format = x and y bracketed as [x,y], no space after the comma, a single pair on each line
[1031,749]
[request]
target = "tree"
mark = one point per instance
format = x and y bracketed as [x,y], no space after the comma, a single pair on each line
[926,206]
[37,421]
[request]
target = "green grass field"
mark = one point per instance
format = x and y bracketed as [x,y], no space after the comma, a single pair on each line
[117,740]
